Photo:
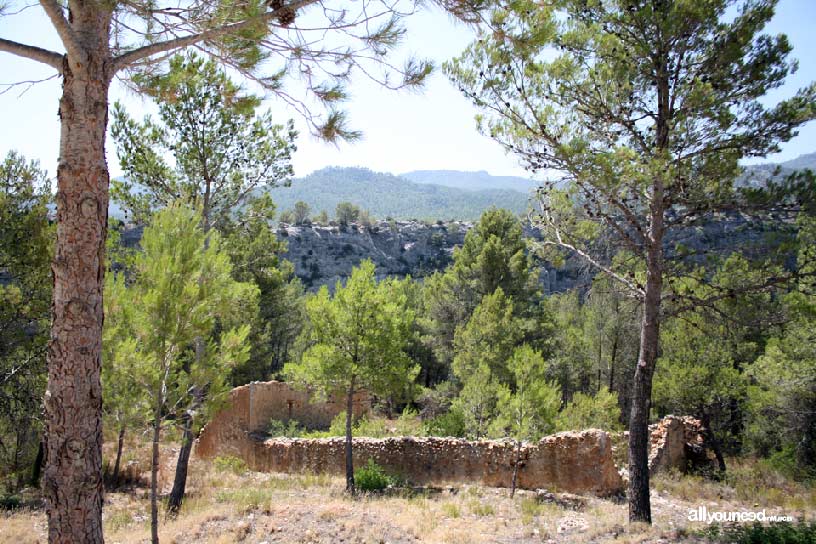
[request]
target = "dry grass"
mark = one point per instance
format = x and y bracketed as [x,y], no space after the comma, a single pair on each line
[227,503]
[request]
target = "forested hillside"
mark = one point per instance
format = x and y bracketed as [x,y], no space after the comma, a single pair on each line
[386,195]
[471,181]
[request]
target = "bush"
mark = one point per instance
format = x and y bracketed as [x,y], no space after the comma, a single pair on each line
[409,424]
[10,502]
[277,427]
[372,477]
[451,423]
[229,463]
[776,533]
[587,412]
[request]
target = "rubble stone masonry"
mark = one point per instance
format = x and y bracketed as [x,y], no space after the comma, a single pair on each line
[575,462]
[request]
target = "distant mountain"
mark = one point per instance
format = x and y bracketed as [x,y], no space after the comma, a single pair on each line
[801,162]
[470,181]
[386,195]
[440,194]
[757,175]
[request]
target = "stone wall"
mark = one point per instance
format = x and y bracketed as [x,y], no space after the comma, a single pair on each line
[589,461]
[577,462]
[251,407]
[670,442]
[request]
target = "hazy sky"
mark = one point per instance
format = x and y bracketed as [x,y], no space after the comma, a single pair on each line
[403,131]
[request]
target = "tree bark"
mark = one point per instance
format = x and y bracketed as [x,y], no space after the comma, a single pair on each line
[36,470]
[515,469]
[349,459]
[119,446]
[73,484]
[154,475]
[639,504]
[712,440]
[180,479]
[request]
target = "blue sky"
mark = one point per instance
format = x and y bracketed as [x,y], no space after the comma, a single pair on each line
[402,131]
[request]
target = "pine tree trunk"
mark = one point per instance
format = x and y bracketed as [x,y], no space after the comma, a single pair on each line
[180,479]
[349,459]
[154,475]
[73,484]
[612,363]
[515,469]
[36,470]
[119,446]
[639,504]
[640,509]
[713,442]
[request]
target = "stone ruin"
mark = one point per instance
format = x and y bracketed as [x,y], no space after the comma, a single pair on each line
[589,462]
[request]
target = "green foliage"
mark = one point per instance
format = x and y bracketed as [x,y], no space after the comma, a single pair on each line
[782,396]
[182,290]
[386,195]
[492,257]
[228,463]
[26,242]
[347,213]
[357,340]
[488,339]
[372,477]
[600,411]
[757,533]
[528,410]
[357,337]
[276,427]
[451,423]
[222,150]
[255,253]
[300,213]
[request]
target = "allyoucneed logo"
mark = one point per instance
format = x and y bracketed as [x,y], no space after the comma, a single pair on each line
[701,513]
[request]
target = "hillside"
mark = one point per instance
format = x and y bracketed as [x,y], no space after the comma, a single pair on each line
[386,195]
[470,181]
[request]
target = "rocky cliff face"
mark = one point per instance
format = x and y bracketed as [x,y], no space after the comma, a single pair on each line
[322,255]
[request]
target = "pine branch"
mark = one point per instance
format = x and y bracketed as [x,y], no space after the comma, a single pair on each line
[45,56]
[126,59]
[69,39]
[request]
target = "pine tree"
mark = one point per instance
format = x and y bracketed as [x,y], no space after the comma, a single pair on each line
[644,108]
[182,290]
[26,242]
[528,410]
[356,341]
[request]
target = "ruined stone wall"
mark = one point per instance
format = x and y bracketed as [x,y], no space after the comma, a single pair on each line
[577,462]
[589,461]
[251,407]
[669,442]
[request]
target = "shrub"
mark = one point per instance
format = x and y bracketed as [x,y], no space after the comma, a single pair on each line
[586,412]
[229,463]
[10,502]
[409,424]
[277,427]
[451,423]
[756,533]
[372,477]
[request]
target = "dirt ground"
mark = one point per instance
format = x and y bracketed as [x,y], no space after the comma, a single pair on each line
[227,503]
